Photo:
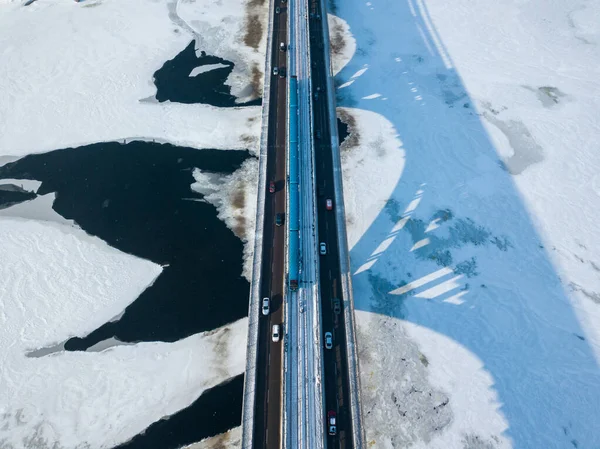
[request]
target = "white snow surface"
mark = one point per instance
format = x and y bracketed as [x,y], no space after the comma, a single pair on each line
[82,278]
[51,272]
[39,208]
[79,73]
[474,229]
[342,44]
[206,68]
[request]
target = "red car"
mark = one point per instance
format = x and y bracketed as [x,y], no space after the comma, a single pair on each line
[331,422]
[272,187]
[328,204]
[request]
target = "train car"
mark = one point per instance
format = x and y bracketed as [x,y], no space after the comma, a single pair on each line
[293,190]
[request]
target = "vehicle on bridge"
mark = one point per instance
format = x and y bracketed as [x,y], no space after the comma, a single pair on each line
[328,204]
[275,71]
[278,219]
[337,308]
[328,340]
[272,187]
[265,306]
[323,248]
[282,72]
[275,334]
[331,422]
[282,46]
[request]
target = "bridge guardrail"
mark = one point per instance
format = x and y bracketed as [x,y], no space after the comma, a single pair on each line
[249,399]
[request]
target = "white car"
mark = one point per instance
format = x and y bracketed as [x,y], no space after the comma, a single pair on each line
[275,334]
[265,306]
[275,71]
[328,340]
[322,248]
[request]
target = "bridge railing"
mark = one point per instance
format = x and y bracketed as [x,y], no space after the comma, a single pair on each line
[249,399]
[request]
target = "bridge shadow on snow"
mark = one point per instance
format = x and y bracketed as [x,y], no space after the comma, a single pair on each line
[482,278]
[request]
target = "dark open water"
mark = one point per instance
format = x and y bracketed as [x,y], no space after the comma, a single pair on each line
[137,198]
[173,82]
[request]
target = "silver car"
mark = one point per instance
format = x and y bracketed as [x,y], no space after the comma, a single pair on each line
[322,248]
[275,334]
[265,306]
[328,340]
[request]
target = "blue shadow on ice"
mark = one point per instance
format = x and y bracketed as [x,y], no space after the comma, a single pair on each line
[467,261]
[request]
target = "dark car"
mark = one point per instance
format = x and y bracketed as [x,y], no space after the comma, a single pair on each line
[282,72]
[278,219]
[337,306]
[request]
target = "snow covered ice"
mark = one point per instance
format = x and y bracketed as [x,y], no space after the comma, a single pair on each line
[471,189]
[59,282]
[77,74]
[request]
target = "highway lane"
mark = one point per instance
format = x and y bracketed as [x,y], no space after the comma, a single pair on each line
[267,427]
[335,361]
